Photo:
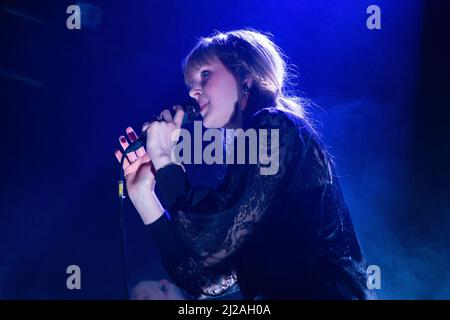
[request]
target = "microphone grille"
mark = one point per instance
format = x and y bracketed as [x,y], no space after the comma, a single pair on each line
[192,112]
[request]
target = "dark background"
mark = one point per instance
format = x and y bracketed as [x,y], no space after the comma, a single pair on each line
[381,98]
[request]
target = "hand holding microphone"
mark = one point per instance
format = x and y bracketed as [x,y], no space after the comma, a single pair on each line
[190,113]
[140,165]
[162,136]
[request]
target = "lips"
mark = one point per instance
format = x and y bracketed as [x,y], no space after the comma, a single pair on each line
[202,107]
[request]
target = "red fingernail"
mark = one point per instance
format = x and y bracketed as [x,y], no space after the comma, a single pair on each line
[132,135]
[122,139]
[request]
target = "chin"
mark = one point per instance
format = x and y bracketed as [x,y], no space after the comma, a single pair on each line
[209,124]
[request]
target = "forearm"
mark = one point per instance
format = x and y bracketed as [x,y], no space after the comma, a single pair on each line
[147,205]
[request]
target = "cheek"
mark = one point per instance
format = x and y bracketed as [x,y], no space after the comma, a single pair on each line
[230,91]
[227,98]
[223,89]
[223,94]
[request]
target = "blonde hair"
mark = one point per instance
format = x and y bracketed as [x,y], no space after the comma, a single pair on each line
[249,52]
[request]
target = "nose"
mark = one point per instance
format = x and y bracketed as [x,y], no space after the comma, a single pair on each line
[195,92]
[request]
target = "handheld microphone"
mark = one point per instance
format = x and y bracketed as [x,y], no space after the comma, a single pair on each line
[190,113]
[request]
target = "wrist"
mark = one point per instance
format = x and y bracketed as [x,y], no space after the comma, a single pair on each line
[161,161]
[147,205]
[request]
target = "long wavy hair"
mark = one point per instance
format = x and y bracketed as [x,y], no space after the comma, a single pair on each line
[250,52]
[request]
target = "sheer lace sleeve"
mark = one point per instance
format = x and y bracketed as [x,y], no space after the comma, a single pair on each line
[209,231]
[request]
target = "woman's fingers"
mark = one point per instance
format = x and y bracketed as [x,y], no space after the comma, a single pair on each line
[124,144]
[179,115]
[131,157]
[133,167]
[128,167]
[133,137]
[133,160]
[141,152]
[166,115]
[145,127]
[118,154]
[131,134]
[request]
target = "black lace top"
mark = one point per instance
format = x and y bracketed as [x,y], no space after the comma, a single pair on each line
[282,235]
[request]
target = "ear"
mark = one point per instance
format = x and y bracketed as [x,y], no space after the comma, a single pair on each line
[248,81]
[246,87]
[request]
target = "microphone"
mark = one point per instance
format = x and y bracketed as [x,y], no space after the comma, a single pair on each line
[190,113]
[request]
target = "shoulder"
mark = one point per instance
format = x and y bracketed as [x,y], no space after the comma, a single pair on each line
[293,129]
[287,126]
[273,115]
[280,118]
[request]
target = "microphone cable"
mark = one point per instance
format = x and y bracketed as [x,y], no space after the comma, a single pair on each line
[191,113]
